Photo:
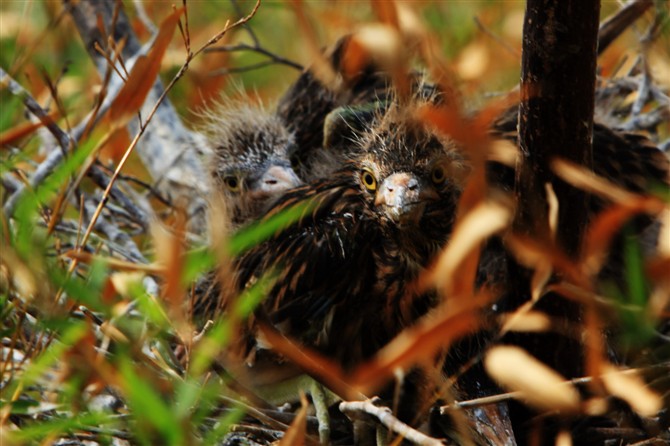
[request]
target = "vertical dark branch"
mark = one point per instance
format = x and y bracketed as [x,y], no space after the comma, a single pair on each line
[556,113]
[555,120]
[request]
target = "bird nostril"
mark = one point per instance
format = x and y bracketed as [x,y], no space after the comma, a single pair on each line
[413,184]
[271,182]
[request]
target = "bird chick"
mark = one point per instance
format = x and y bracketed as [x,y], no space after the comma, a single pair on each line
[342,271]
[250,165]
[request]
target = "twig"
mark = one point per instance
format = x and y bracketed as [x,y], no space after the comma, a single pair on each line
[16,89]
[494,399]
[274,58]
[386,418]
[243,69]
[613,26]
[510,49]
[96,174]
[55,157]
[168,149]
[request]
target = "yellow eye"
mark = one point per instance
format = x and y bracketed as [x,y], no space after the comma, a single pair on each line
[369,180]
[232,183]
[439,175]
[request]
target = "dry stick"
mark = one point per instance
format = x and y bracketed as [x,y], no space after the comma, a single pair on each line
[167,149]
[274,58]
[55,157]
[386,418]
[65,142]
[613,26]
[493,399]
[509,48]
[133,144]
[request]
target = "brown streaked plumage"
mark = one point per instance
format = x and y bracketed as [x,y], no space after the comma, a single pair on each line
[343,272]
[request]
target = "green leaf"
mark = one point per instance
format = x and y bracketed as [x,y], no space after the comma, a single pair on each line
[148,408]
[256,233]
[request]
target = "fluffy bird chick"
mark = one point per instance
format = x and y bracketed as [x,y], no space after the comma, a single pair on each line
[250,165]
[342,272]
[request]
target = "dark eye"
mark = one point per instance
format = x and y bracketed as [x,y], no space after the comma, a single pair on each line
[232,183]
[438,175]
[369,180]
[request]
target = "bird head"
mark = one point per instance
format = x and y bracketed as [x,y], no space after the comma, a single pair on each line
[250,166]
[411,178]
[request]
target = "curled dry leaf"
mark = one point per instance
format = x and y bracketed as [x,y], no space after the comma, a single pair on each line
[538,385]
[632,389]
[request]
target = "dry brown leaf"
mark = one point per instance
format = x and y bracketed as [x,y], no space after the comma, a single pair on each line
[584,179]
[114,333]
[12,135]
[321,67]
[632,389]
[112,263]
[606,225]
[664,233]
[473,61]
[552,202]
[410,24]
[386,12]
[526,321]
[295,434]
[476,226]
[420,343]
[534,255]
[143,74]
[564,438]
[539,386]
[312,362]
[504,151]
[124,281]
[541,275]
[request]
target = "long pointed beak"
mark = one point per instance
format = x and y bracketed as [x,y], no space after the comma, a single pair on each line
[403,196]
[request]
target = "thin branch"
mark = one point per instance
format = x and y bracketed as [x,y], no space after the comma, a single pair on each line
[614,25]
[243,69]
[274,58]
[33,107]
[509,48]
[502,397]
[386,418]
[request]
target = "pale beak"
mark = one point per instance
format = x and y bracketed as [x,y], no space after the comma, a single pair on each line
[403,196]
[276,179]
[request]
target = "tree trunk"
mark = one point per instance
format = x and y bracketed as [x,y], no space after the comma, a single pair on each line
[555,120]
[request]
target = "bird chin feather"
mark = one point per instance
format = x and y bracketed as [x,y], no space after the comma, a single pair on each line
[405,215]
